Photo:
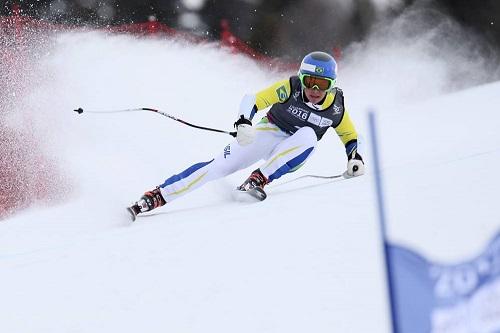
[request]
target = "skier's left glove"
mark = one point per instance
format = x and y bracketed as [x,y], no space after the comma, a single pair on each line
[245,133]
[355,164]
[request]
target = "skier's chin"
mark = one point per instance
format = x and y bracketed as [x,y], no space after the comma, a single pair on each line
[315,100]
[315,96]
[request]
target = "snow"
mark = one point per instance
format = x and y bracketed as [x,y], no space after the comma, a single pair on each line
[308,259]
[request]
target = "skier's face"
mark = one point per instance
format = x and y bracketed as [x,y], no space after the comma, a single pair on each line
[314,95]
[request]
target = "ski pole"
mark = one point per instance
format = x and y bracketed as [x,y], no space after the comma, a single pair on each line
[309,176]
[233,134]
[320,177]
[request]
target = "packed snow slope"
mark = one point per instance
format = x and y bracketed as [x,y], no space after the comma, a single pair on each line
[308,259]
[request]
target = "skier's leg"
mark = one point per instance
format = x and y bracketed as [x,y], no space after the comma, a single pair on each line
[233,158]
[290,154]
[182,183]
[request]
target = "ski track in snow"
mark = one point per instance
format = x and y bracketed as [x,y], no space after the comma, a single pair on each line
[308,259]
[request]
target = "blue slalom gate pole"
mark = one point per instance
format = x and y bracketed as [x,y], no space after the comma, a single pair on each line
[381,217]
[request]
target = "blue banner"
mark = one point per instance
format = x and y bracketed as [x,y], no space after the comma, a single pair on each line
[429,297]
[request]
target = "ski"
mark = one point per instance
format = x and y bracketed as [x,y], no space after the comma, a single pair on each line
[258,193]
[253,193]
[133,211]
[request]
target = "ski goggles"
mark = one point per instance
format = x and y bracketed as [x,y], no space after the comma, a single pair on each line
[316,82]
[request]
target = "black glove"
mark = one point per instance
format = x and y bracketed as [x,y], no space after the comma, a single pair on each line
[354,155]
[242,120]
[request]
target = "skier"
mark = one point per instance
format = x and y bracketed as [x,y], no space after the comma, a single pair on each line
[303,107]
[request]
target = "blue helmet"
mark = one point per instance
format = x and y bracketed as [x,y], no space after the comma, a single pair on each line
[319,64]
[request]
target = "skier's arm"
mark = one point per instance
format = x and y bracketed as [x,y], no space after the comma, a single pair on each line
[347,134]
[276,93]
[250,104]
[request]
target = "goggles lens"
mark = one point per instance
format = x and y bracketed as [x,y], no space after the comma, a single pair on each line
[320,83]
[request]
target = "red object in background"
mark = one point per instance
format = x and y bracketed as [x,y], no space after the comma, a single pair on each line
[229,40]
[337,53]
[237,46]
[18,23]
[16,13]
[26,174]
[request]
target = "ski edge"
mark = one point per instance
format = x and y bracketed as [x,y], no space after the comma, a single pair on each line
[132,214]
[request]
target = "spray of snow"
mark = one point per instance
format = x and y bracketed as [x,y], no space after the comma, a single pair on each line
[419,55]
[300,261]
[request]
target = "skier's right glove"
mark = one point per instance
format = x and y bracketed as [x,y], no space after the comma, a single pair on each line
[355,164]
[245,133]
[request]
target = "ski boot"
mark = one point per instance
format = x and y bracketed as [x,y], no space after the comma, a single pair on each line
[254,185]
[149,201]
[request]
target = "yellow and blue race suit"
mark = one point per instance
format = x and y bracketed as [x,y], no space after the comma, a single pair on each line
[285,137]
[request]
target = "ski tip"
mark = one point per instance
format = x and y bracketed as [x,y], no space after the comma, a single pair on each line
[253,195]
[258,193]
[132,214]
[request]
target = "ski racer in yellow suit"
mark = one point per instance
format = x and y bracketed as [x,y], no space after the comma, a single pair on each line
[303,107]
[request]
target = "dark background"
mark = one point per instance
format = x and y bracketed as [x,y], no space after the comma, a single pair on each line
[284,28]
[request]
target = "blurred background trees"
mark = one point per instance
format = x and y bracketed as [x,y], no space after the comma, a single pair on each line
[284,28]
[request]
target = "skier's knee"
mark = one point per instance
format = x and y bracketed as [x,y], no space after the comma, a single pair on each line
[223,168]
[307,135]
